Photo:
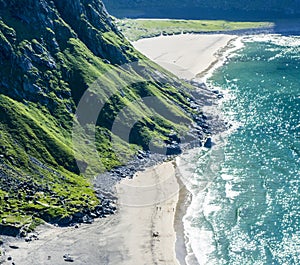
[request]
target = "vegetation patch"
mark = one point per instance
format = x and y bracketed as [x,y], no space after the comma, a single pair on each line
[53,53]
[135,29]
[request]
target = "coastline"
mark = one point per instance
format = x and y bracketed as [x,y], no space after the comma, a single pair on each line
[142,231]
[183,203]
[208,61]
[148,227]
[188,56]
[147,208]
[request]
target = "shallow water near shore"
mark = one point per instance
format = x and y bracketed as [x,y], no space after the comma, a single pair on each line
[245,206]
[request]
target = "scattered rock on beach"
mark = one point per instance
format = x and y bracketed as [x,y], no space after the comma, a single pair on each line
[13,247]
[31,237]
[68,258]
[155,234]
[208,143]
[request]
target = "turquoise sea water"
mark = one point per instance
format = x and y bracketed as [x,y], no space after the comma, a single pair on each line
[246,189]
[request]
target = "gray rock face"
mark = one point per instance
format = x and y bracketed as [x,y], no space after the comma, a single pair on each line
[91,22]
[47,27]
[31,88]
[5,47]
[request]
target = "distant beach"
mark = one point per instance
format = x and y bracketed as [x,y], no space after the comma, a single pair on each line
[188,56]
[142,232]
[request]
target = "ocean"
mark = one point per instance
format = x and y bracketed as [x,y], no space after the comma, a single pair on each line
[245,206]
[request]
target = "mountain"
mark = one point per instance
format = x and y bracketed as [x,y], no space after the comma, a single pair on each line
[77,100]
[201,9]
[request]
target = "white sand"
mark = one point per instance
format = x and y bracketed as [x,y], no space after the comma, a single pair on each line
[146,204]
[185,55]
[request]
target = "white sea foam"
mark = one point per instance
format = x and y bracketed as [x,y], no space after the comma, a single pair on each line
[277,39]
[226,177]
[200,242]
[224,54]
[230,193]
[200,238]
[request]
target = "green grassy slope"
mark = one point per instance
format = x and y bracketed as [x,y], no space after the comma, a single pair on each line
[135,29]
[52,53]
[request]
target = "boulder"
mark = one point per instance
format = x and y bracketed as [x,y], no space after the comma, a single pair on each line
[68,258]
[208,143]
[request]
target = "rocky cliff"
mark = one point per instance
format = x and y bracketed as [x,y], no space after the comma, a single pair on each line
[55,57]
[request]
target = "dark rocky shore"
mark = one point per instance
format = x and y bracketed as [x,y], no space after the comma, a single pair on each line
[204,127]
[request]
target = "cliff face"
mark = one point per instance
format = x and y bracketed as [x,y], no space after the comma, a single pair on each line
[53,54]
[33,33]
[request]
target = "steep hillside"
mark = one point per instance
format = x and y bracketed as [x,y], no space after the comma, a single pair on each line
[76,100]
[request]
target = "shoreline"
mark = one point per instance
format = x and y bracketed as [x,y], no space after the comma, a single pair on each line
[113,240]
[142,231]
[186,55]
[215,59]
[183,203]
[150,198]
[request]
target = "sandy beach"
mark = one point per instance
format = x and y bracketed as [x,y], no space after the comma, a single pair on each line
[142,231]
[187,55]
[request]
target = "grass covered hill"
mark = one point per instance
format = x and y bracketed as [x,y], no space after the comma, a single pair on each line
[135,29]
[53,54]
